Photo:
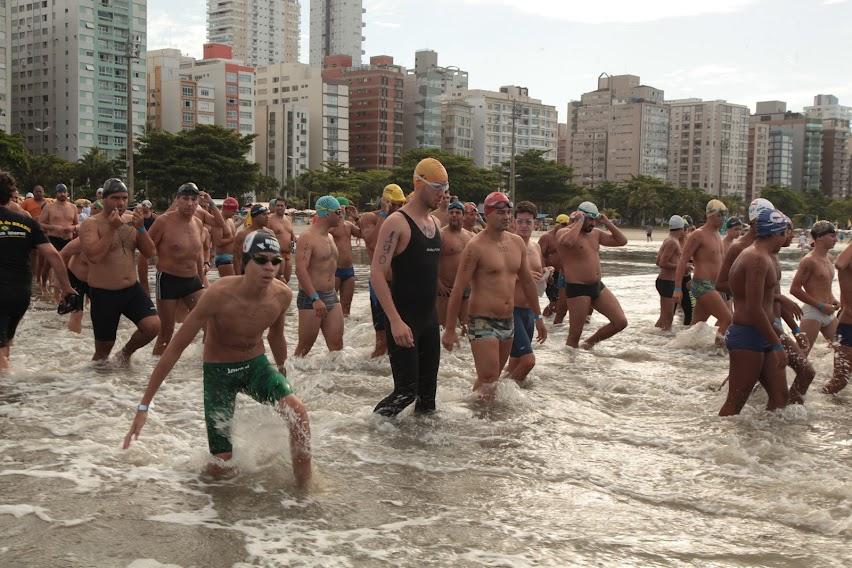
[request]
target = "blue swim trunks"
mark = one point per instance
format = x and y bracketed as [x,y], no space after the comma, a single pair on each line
[745,338]
[345,273]
[524,329]
[844,334]
[223,259]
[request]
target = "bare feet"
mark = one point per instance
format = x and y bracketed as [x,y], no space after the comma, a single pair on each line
[834,386]
[587,345]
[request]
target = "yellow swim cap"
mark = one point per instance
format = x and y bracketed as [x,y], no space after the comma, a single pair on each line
[716,206]
[562,219]
[393,193]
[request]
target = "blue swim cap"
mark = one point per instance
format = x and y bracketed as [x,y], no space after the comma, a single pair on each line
[771,222]
[456,205]
[326,205]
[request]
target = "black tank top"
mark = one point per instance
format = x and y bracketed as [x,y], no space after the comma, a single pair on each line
[414,287]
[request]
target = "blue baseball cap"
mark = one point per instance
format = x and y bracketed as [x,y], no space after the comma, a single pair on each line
[326,205]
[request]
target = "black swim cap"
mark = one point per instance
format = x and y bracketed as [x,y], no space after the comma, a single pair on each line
[188,189]
[259,241]
[114,185]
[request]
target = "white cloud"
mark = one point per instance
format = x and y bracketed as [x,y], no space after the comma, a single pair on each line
[184,29]
[385,24]
[619,11]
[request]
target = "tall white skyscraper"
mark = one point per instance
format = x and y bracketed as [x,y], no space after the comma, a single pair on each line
[69,74]
[260,32]
[337,28]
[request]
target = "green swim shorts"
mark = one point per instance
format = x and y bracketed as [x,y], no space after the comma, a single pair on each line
[222,381]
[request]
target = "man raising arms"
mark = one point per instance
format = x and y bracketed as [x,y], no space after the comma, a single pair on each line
[223,238]
[704,246]
[235,312]
[344,276]
[812,285]
[454,238]
[408,250]
[178,236]
[282,226]
[392,199]
[579,248]
[114,289]
[316,261]
[754,347]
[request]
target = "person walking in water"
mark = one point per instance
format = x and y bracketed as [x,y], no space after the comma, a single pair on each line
[667,259]
[235,312]
[404,274]
[579,248]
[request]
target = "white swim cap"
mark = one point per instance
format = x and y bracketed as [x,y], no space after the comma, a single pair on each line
[676,222]
[757,206]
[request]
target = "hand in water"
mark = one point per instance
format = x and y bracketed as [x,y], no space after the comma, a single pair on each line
[135,429]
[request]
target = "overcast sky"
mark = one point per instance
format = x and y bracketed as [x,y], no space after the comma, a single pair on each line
[742,51]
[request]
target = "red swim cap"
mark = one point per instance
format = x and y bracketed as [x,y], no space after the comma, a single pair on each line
[230,203]
[494,200]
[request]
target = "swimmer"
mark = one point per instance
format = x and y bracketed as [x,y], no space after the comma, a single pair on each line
[178,236]
[754,348]
[78,276]
[471,218]
[404,274]
[344,276]
[114,288]
[235,312]
[20,235]
[521,357]
[733,231]
[142,264]
[59,219]
[812,285]
[493,263]
[442,213]
[370,223]
[667,259]
[454,238]
[704,247]
[579,248]
[316,262]
[843,347]
[556,282]
[259,220]
[282,226]
[223,238]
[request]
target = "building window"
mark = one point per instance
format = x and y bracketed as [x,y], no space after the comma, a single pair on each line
[187,118]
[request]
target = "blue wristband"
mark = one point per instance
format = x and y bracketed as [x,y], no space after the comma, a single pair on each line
[796,331]
[141,229]
[537,317]
[314,297]
[778,347]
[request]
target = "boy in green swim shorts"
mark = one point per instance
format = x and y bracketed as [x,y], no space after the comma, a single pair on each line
[235,312]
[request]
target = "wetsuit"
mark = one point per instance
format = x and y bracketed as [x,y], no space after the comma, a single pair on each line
[414,290]
[19,235]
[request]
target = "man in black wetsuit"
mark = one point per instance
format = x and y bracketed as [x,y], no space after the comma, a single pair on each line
[408,249]
[19,234]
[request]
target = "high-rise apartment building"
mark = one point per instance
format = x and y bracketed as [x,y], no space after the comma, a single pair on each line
[337,28]
[176,101]
[457,127]
[375,108]
[618,131]
[326,104]
[758,160]
[562,137]
[283,139]
[5,68]
[835,119]
[708,146]
[260,32]
[802,135]
[424,90]
[496,113]
[69,62]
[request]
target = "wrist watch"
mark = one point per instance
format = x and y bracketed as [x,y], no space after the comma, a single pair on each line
[142,408]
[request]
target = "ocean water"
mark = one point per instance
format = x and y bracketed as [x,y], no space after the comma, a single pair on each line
[613,457]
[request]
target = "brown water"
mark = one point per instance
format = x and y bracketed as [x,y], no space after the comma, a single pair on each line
[611,458]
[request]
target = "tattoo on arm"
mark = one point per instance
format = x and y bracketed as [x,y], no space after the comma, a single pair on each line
[386,248]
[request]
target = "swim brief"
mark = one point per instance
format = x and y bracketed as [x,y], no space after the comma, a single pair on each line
[482,327]
[810,312]
[222,381]
[701,287]
[844,334]
[524,329]
[345,273]
[376,310]
[223,259]
[745,338]
[82,288]
[575,290]
[665,287]
[109,305]
[58,242]
[330,299]
[170,287]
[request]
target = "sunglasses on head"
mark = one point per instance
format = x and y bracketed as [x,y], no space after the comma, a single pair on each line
[260,259]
